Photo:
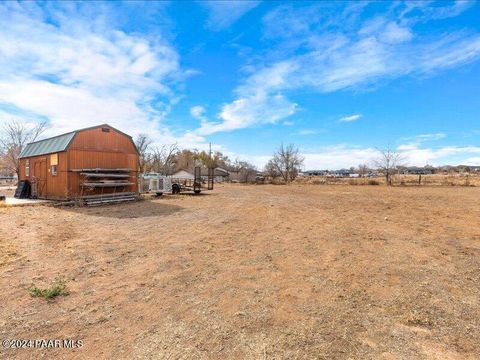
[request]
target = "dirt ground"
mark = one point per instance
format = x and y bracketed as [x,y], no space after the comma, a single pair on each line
[456,179]
[250,272]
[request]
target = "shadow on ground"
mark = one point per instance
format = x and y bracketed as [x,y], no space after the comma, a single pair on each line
[137,209]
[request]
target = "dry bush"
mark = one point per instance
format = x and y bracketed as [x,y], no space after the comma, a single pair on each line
[398,180]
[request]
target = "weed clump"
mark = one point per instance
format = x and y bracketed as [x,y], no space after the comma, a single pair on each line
[58,287]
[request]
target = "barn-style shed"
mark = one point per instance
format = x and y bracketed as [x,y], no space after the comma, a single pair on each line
[91,161]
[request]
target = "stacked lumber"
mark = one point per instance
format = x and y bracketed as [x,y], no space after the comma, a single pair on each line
[96,200]
[105,178]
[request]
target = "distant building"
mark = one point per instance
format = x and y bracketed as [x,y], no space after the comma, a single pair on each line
[183,174]
[415,170]
[314,173]
[219,175]
[234,175]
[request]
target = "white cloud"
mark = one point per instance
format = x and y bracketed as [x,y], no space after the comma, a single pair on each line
[473,161]
[314,50]
[454,155]
[197,111]
[393,33]
[306,132]
[350,118]
[422,11]
[418,139]
[339,156]
[415,155]
[260,108]
[80,71]
[223,14]
[345,156]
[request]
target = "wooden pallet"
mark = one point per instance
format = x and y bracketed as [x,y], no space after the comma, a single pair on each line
[95,200]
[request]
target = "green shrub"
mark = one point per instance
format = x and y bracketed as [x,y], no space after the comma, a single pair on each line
[58,287]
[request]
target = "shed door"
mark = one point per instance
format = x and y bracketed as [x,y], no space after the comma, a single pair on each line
[39,178]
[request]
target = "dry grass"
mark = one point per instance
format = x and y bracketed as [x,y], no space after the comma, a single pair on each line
[399,180]
[252,272]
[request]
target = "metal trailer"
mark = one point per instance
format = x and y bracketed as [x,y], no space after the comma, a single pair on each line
[160,184]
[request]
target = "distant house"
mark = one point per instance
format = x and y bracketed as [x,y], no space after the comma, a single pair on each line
[219,175]
[183,174]
[340,173]
[415,170]
[314,173]
[234,175]
[467,168]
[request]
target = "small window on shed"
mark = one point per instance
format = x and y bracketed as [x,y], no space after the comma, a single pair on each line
[54,170]
[105,129]
[27,167]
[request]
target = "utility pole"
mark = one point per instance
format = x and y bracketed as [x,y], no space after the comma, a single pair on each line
[210,153]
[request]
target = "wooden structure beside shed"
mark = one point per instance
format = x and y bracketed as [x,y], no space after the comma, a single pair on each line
[99,160]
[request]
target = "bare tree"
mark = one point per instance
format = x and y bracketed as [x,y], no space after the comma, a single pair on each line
[388,161]
[14,136]
[163,159]
[143,143]
[286,162]
[271,170]
[362,170]
[247,171]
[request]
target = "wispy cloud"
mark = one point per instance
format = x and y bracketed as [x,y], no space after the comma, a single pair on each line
[260,108]
[345,156]
[418,139]
[350,118]
[198,112]
[417,155]
[306,132]
[77,70]
[311,49]
[223,14]
[472,161]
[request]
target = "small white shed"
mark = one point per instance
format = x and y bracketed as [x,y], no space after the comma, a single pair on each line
[183,174]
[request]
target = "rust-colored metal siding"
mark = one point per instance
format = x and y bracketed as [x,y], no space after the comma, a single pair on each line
[95,148]
[90,148]
[56,186]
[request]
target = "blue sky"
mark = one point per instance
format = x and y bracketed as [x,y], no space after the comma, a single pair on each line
[338,79]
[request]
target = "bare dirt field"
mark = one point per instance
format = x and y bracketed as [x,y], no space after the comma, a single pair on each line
[456,179]
[250,272]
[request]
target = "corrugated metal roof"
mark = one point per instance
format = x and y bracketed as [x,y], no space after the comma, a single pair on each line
[48,146]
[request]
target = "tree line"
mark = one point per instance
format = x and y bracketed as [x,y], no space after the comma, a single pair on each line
[285,164]
[165,159]
[168,159]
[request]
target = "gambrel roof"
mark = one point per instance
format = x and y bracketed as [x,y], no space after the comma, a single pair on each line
[48,146]
[58,143]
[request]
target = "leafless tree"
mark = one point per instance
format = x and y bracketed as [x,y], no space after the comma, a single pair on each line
[247,171]
[362,170]
[388,161]
[143,143]
[271,170]
[14,136]
[286,162]
[163,159]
